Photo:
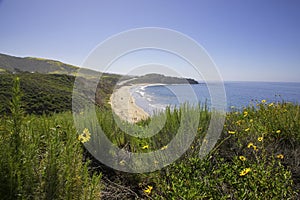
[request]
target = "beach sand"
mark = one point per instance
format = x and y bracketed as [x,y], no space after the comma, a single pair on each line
[123,104]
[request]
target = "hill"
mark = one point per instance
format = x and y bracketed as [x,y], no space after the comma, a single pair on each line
[29,64]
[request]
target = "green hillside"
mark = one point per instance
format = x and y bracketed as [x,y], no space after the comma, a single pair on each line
[29,64]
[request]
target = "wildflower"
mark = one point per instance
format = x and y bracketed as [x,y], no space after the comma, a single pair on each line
[260,139]
[245,171]
[85,136]
[242,158]
[247,129]
[245,113]
[251,120]
[263,101]
[278,131]
[122,162]
[271,104]
[231,132]
[164,147]
[148,189]
[280,156]
[250,145]
[145,147]
[255,148]
[238,122]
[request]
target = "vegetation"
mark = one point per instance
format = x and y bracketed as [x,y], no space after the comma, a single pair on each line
[45,66]
[43,155]
[49,93]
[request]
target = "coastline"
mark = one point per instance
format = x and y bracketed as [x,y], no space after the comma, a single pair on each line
[123,105]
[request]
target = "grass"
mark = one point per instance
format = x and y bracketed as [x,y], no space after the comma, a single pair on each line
[43,157]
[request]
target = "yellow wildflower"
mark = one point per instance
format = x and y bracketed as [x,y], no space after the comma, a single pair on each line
[260,139]
[164,147]
[242,158]
[145,147]
[238,122]
[280,156]
[231,132]
[255,148]
[251,120]
[271,104]
[85,136]
[245,113]
[247,129]
[245,171]
[278,131]
[122,162]
[263,101]
[250,145]
[148,189]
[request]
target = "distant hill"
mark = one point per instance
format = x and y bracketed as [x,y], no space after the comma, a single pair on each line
[159,78]
[29,64]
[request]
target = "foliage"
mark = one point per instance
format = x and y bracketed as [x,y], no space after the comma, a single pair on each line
[49,93]
[41,157]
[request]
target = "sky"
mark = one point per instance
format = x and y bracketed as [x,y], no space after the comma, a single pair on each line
[249,40]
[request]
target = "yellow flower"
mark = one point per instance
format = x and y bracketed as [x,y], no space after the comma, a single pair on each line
[145,147]
[250,145]
[271,104]
[238,122]
[231,132]
[255,148]
[122,162]
[245,171]
[245,113]
[280,156]
[263,101]
[242,158]
[148,189]
[247,129]
[85,136]
[164,147]
[278,131]
[260,139]
[251,120]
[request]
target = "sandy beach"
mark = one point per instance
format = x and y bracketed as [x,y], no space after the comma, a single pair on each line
[123,104]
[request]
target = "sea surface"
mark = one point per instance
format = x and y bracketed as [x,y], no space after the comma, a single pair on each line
[155,98]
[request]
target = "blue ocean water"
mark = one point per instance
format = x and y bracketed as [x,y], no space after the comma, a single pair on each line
[154,98]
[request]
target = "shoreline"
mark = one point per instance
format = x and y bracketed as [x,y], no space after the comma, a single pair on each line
[123,104]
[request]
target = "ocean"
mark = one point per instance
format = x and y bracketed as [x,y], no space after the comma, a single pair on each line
[155,98]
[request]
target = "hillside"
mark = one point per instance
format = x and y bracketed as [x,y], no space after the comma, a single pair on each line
[29,64]
[159,78]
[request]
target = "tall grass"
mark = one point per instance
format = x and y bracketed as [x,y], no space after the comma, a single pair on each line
[41,157]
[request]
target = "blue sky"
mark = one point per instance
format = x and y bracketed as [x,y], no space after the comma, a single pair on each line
[250,40]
